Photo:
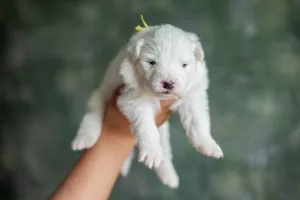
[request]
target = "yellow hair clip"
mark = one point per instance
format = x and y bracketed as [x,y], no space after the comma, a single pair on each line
[139,28]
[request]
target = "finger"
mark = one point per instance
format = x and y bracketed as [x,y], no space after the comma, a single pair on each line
[116,94]
[163,114]
[166,103]
[118,90]
[167,114]
[162,118]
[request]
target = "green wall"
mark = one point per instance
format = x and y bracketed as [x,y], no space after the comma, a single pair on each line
[53,53]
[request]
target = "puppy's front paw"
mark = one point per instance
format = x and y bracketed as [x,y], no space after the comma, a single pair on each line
[152,156]
[208,147]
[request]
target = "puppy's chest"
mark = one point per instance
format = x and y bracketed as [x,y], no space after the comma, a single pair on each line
[152,103]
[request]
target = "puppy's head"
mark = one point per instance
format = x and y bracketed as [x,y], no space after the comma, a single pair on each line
[163,61]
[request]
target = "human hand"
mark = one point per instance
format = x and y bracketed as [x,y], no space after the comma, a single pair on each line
[115,121]
[95,173]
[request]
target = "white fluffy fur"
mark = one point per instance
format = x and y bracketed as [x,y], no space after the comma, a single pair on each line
[170,48]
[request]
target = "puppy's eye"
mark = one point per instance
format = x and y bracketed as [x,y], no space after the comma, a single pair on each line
[152,62]
[184,65]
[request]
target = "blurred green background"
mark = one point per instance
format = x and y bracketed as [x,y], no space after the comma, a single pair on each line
[53,53]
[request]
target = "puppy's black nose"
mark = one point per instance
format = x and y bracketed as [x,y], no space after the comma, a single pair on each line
[169,85]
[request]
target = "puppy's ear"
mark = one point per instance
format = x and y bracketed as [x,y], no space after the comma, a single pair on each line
[127,68]
[134,48]
[128,73]
[198,50]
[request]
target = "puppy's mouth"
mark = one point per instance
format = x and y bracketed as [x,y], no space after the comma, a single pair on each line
[168,93]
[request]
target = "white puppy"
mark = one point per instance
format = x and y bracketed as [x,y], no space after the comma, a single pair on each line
[160,62]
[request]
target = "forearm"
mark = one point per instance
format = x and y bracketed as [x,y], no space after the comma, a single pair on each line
[94,175]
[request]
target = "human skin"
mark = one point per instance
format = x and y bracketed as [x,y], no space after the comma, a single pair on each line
[95,173]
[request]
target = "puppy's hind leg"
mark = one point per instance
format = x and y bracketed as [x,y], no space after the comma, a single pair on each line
[90,126]
[166,171]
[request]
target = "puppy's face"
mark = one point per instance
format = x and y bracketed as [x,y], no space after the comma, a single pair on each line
[165,61]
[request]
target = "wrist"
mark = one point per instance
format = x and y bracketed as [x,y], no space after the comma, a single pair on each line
[117,129]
